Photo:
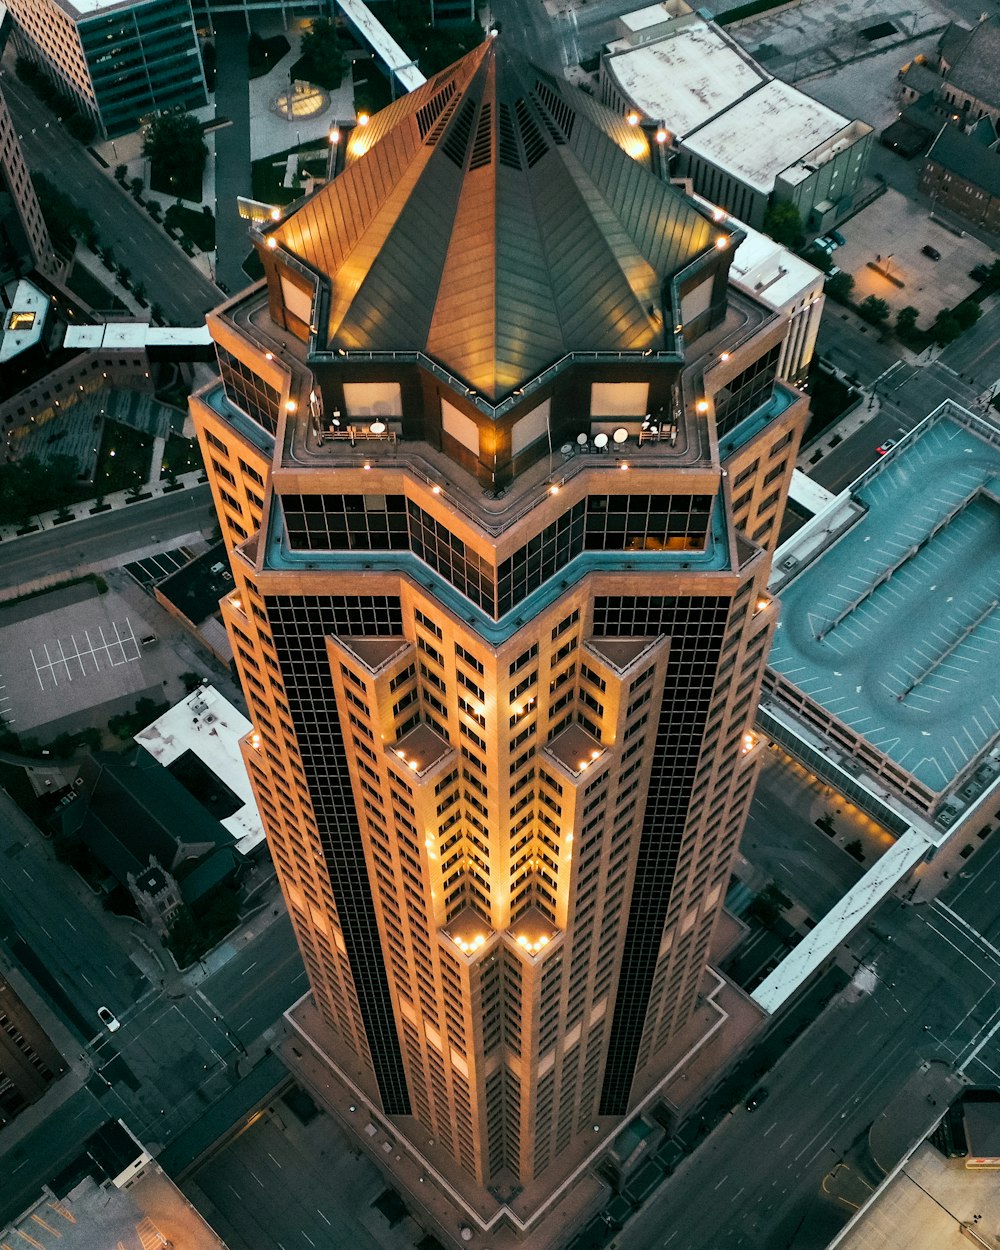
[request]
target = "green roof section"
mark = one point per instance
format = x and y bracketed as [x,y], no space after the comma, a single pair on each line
[496,219]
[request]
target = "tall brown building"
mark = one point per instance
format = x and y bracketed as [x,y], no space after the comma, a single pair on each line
[29,1062]
[24,238]
[501,460]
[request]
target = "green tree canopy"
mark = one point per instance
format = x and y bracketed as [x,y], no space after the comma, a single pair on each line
[874,310]
[906,319]
[174,143]
[967,313]
[946,328]
[783,223]
[839,287]
[321,60]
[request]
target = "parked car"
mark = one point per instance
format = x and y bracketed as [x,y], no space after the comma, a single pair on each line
[980,273]
[887,446]
[838,238]
[932,252]
[825,243]
[108,1019]
[756,1098]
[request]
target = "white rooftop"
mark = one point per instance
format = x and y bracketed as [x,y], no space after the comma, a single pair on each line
[23,322]
[766,133]
[770,272]
[685,78]
[383,44]
[643,19]
[134,335]
[207,725]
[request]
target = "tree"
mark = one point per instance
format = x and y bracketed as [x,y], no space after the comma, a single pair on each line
[783,223]
[136,186]
[839,287]
[175,145]
[874,310]
[321,60]
[120,173]
[856,850]
[946,328]
[906,321]
[967,313]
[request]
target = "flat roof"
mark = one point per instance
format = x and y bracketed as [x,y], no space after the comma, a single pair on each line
[895,629]
[770,272]
[765,133]
[926,1205]
[23,322]
[685,78]
[207,725]
[132,335]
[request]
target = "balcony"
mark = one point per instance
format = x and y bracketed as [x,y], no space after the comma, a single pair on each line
[575,750]
[420,752]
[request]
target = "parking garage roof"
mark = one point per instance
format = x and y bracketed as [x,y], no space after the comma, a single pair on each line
[895,629]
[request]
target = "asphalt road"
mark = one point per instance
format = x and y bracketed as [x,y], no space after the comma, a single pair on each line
[783,840]
[853,347]
[929,993]
[976,355]
[251,993]
[77,953]
[106,536]
[172,281]
[909,395]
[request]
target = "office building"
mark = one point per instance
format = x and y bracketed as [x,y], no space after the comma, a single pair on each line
[24,238]
[29,1062]
[120,62]
[746,140]
[501,458]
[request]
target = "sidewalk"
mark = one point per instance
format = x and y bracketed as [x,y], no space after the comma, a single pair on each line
[121,499]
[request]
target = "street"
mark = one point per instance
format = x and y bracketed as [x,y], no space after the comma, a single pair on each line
[928,993]
[107,536]
[173,282]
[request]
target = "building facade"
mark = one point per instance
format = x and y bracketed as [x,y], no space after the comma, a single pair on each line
[24,237]
[119,62]
[29,1062]
[961,173]
[500,458]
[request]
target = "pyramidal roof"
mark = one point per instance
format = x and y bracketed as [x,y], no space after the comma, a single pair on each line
[495,219]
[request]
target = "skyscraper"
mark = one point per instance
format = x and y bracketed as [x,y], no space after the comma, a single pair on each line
[501,460]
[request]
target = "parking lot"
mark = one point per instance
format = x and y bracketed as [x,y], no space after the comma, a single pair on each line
[69,651]
[895,229]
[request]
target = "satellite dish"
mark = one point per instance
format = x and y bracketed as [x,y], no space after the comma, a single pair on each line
[581,440]
[601,440]
[377,427]
[620,435]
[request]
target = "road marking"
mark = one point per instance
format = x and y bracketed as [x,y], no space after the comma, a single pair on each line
[723,1181]
[256,1177]
[246,1024]
[28,875]
[324,1217]
[308,1238]
[71,924]
[786,1141]
[84,977]
[45,931]
[666,1243]
[773,1126]
[273,1159]
[112,971]
[248,968]
[235,1191]
[974,932]
[737,1194]
[817,1077]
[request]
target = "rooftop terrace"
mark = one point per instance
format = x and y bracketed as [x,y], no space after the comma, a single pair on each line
[895,629]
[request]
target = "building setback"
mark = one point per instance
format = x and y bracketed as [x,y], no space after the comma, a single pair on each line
[119,62]
[501,459]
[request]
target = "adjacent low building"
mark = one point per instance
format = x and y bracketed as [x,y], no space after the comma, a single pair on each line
[119,62]
[961,173]
[891,627]
[746,140]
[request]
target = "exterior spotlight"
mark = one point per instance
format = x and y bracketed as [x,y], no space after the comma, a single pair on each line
[334,136]
[363,119]
[722,242]
[633,118]
[272,243]
[661,135]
